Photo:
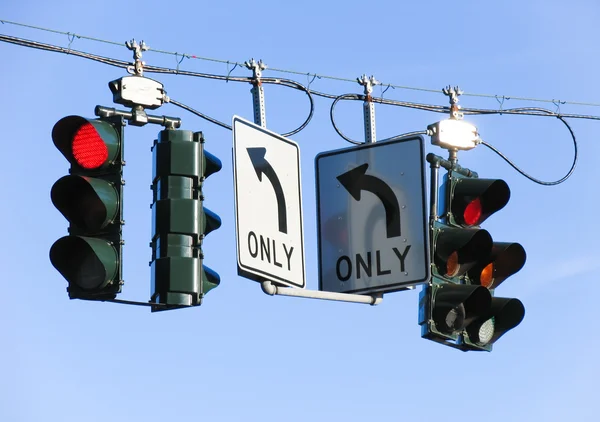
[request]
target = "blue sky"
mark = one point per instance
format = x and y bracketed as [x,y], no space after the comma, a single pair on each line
[247,356]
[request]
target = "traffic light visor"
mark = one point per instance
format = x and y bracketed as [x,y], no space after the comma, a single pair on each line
[455,306]
[504,315]
[457,250]
[474,200]
[90,144]
[87,262]
[91,204]
[504,260]
[210,279]
[211,164]
[210,221]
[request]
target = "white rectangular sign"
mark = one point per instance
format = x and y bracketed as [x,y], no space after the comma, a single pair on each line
[372,222]
[270,239]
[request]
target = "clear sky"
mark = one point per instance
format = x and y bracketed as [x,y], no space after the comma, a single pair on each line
[246,356]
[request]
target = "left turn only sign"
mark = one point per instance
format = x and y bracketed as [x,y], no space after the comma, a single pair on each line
[268,204]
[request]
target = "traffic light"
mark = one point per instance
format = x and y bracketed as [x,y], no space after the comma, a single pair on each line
[90,198]
[180,221]
[458,308]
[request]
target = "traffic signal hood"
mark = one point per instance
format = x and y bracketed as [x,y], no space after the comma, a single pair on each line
[473,200]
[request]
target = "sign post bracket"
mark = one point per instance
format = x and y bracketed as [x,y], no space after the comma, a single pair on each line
[271,289]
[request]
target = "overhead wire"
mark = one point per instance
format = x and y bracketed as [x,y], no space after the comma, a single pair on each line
[332,118]
[534,111]
[156,69]
[529,111]
[199,114]
[72,36]
[524,111]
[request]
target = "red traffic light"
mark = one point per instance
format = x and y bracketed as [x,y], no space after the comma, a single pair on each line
[89,144]
[472,200]
[90,198]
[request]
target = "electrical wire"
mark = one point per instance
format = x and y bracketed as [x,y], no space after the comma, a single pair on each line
[541,112]
[528,111]
[360,97]
[197,113]
[525,111]
[331,114]
[57,49]
[284,82]
[72,36]
[293,84]
[155,69]
[404,135]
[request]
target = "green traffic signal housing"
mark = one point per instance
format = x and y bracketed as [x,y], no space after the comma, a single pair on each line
[90,198]
[458,307]
[180,221]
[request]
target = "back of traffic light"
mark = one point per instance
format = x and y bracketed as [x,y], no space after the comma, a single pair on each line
[458,307]
[90,198]
[179,220]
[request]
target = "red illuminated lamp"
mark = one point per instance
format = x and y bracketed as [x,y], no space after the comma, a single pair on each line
[472,212]
[89,150]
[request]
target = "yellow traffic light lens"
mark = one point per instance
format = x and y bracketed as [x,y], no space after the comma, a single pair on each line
[486,278]
[89,150]
[472,213]
[452,265]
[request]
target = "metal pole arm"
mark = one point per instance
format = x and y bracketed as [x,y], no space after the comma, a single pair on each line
[437,160]
[271,289]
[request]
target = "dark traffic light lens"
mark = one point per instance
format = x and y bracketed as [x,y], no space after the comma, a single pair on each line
[89,150]
[89,263]
[472,212]
[452,265]
[455,318]
[91,204]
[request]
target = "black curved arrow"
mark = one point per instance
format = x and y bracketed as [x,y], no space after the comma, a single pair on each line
[262,166]
[356,180]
